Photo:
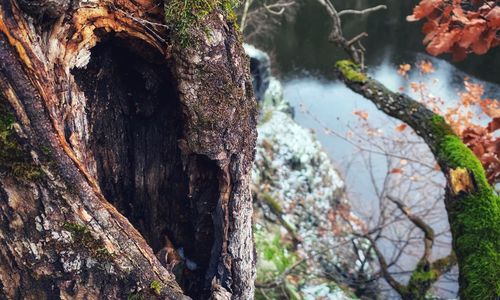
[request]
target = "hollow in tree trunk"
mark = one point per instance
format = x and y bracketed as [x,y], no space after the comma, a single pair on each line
[119,141]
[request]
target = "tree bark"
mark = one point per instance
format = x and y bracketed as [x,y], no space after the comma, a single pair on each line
[117,143]
[472,205]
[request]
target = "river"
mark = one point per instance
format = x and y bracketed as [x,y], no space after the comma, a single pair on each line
[303,60]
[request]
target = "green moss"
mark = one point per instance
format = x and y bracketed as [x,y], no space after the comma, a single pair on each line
[272,203]
[268,115]
[14,159]
[476,224]
[457,154]
[440,128]
[351,71]
[421,280]
[474,219]
[156,287]
[275,255]
[135,296]
[420,275]
[82,238]
[229,7]
[183,16]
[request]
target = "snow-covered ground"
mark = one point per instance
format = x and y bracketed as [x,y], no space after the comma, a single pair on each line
[307,193]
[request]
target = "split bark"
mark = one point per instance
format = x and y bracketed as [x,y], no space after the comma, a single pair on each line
[116,140]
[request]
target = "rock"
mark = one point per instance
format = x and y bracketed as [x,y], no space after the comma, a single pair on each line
[268,90]
[302,215]
[260,68]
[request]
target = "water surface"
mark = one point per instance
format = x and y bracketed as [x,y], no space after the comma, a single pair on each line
[304,59]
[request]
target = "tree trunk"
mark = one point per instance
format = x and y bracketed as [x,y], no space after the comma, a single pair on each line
[118,142]
[472,205]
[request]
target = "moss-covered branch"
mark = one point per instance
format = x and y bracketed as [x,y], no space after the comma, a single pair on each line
[472,205]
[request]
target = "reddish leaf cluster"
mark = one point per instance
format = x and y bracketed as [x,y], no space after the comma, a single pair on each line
[459,26]
[464,117]
[482,142]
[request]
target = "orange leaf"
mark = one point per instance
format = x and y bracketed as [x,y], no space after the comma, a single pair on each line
[426,67]
[396,171]
[490,108]
[493,17]
[459,16]
[484,42]
[362,114]
[443,42]
[425,8]
[457,29]
[403,69]
[401,127]
[494,125]
[471,34]
[429,26]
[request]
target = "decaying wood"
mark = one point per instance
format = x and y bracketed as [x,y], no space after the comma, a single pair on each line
[124,138]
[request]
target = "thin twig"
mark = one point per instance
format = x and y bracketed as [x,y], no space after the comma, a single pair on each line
[361,12]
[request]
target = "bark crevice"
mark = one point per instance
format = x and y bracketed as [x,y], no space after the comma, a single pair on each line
[113,110]
[136,121]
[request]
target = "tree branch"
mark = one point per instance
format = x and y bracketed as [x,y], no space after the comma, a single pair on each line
[281,6]
[356,52]
[384,267]
[361,12]
[417,221]
[470,201]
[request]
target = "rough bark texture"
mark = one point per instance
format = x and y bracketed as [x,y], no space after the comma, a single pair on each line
[115,142]
[472,205]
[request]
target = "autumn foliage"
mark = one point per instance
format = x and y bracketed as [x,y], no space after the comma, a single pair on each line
[459,27]
[466,116]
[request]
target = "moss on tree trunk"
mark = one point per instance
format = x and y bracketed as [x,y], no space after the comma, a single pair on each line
[116,137]
[472,205]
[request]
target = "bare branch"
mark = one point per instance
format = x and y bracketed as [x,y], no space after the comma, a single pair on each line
[417,221]
[362,12]
[384,268]
[357,38]
[352,47]
[445,264]
[281,6]
[244,15]
[278,13]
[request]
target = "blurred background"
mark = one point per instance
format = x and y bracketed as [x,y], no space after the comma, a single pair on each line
[330,167]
